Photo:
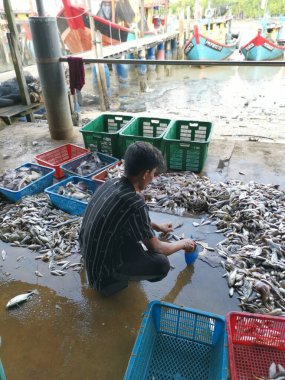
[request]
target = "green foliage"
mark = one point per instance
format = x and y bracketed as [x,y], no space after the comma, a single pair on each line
[249,9]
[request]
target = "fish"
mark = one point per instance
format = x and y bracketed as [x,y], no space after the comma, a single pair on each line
[58,272]
[77,191]
[178,225]
[3,254]
[116,171]
[248,217]
[21,298]
[17,179]
[55,272]
[20,258]
[74,265]
[37,225]
[90,165]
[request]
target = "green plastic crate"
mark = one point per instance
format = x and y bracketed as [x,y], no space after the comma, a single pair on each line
[186,145]
[102,133]
[148,129]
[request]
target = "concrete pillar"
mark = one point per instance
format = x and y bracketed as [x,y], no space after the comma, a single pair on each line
[48,51]
[160,56]
[168,56]
[122,73]
[151,68]
[132,68]
[174,48]
[142,70]
[40,8]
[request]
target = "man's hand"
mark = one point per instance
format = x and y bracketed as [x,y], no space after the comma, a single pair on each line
[165,227]
[188,245]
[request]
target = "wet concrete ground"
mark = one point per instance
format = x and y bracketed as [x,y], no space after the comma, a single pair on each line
[68,331]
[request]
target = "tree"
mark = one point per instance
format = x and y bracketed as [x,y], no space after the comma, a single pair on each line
[250,9]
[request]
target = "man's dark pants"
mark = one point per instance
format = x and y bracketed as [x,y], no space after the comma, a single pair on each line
[139,264]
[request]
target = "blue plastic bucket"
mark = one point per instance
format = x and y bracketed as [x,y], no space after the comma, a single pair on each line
[191,257]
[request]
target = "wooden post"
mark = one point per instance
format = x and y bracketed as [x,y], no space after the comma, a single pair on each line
[166,11]
[181,33]
[5,49]
[113,11]
[102,95]
[188,14]
[99,51]
[16,56]
[142,18]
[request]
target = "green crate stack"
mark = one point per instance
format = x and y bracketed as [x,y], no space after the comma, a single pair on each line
[148,129]
[186,145]
[102,133]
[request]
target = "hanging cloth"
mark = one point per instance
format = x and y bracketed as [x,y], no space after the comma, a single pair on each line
[76,73]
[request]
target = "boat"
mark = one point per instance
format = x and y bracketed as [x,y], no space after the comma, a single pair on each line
[280,39]
[267,45]
[2,373]
[74,27]
[211,38]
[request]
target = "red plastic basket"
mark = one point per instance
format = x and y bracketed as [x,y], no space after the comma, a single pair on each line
[55,157]
[255,342]
[102,176]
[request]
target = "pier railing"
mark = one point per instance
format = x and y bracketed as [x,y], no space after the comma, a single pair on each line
[176,62]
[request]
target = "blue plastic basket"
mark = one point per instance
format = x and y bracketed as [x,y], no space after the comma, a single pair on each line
[33,188]
[179,343]
[70,167]
[70,205]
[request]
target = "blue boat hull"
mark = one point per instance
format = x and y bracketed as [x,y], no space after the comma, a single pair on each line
[207,49]
[259,53]
[261,49]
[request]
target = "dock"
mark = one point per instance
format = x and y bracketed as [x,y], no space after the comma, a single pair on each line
[131,46]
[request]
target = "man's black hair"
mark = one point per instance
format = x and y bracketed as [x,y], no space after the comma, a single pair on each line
[141,156]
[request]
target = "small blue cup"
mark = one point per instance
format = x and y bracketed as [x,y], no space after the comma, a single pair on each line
[190,257]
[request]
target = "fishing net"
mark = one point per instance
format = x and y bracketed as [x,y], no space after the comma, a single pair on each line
[105,11]
[124,12]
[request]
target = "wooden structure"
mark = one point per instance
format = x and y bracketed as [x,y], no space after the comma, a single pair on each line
[13,40]
[6,113]
[131,46]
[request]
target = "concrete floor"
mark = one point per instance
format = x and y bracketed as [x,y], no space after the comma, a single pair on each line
[259,161]
[66,324]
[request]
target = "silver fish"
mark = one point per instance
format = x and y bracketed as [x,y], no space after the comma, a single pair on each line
[3,254]
[21,298]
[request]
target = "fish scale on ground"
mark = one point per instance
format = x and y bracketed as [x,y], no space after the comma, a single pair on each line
[251,216]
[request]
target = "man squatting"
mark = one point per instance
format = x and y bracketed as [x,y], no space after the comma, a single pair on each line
[117,237]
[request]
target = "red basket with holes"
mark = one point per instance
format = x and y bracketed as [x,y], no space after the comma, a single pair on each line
[255,342]
[55,157]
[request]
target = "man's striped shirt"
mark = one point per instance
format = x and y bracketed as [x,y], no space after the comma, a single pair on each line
[115,216]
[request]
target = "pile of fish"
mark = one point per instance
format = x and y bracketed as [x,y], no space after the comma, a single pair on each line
[16,180]
[35,224]
[78,191]
[252,218]
[250,215]
[116,171]
[90,166]
[177,193]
